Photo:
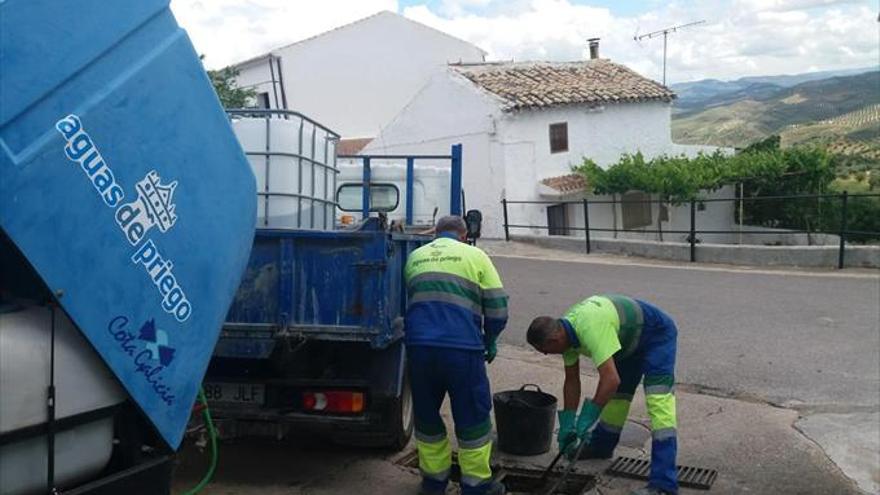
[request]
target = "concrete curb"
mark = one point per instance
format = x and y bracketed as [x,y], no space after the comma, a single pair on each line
[798,256]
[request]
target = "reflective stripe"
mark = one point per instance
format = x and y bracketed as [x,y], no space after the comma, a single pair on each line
[609,427]
[494,293]
[435,458]
[415,288]
[629,312]
[661,409]
[474,464]
[473,481]
[444,476]
[476,442]
[474,431]
[663,434]
[614,413]
[428,438]
[659,389]
[448,277]
[446,297]
[497,313]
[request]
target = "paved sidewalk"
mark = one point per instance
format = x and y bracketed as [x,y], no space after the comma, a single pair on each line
[754,447]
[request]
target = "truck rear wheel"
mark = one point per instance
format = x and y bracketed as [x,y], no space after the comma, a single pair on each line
[396,427]
[401,420]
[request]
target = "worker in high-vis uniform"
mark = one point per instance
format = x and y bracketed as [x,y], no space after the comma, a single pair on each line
[455,312]
[627,339]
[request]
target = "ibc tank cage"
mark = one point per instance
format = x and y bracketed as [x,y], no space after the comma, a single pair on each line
[294,160]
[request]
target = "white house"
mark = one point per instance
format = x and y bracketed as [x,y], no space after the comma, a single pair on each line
[524,125]
[355,78]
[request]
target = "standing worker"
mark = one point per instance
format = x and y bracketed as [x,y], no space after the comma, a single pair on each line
[456,310]
[626,339]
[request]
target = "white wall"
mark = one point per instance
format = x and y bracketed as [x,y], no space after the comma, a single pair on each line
[710,215]
[448,111]
[602,134]
[356,78]
[507,154]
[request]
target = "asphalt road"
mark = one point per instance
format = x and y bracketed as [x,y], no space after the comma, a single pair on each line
[810,342]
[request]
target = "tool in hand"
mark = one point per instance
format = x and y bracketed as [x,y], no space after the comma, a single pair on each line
[550,468]
[568,469]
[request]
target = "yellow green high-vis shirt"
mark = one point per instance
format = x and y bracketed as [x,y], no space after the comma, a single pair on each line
[602,325]
[454,291]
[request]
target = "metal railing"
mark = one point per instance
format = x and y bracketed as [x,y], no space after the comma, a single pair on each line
[321,142]
[843,232]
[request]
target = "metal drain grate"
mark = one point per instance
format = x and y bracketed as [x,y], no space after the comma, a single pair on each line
[691,477]
[519,480]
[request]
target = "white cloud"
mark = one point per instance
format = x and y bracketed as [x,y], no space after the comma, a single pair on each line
[740,37]
[229,31]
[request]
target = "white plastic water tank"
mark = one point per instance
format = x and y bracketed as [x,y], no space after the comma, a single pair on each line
[294,162]
[82,383]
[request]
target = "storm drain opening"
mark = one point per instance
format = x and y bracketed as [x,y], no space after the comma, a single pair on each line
[519,480]
[528,481]
[688,476]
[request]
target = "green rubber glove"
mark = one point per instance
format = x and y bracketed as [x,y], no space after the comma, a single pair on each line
[491,349]
[587,418]
[567,436]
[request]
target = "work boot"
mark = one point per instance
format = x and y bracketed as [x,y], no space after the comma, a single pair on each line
[431,487]
[650,490]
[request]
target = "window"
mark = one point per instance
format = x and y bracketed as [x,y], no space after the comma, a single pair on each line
[559,137]
[263,100]
[636,210]
[383,197]
[557,220]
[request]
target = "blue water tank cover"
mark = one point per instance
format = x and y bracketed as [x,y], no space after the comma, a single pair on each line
[124,186]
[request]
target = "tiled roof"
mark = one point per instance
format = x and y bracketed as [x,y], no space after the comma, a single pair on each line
[351,146]
[525,85]
[566,184]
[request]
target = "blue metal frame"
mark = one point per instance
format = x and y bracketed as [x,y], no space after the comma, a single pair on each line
[455,187]
[455,180]
[366,192]
[410,172]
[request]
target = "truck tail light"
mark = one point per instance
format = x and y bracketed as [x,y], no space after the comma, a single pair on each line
[333,401]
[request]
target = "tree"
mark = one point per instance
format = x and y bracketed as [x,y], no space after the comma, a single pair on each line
[230,93]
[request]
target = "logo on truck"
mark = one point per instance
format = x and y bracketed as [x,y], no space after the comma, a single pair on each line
[154,207]
[148,351]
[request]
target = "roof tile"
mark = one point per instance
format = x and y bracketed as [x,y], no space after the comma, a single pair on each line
[566,184]
[525,85]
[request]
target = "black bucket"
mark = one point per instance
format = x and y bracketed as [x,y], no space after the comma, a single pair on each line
[525,420]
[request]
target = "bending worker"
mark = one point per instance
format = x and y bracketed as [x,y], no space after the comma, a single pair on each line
[626,339]
[456,310]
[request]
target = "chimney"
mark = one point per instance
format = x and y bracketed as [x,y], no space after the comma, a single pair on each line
[594,48]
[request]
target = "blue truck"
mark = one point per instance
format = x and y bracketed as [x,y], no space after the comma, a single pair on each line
[313,339]
[127,218]
[127,214]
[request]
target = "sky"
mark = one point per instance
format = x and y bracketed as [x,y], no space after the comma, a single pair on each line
[739,37]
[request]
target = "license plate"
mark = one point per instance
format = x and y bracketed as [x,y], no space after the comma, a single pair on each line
[235,393]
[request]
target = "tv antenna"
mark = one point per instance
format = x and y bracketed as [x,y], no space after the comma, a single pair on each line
[665,32]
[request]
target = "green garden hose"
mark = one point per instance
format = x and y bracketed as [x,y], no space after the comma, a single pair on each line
[212,434]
